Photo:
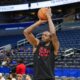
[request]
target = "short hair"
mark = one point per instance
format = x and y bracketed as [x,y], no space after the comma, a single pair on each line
[13,75]
[47,32]
[20,60]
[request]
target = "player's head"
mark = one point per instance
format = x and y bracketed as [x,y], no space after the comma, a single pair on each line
[46,36]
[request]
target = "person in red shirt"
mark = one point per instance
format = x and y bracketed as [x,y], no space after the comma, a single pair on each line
[21,67]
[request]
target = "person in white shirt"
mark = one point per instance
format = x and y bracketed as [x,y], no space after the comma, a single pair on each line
[28,77]
[13,76]
[1,77]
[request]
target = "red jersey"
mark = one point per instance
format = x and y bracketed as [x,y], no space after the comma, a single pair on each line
[21,69]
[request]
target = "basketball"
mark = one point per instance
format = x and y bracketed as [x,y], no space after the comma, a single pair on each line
[42,13]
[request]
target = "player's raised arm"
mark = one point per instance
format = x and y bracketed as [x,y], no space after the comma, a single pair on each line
[28,33]
[52,29]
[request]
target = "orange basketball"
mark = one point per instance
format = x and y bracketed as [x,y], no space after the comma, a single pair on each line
[42,13]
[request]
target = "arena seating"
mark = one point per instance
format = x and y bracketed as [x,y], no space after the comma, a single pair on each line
[69,38]
[10,39]
[66,68]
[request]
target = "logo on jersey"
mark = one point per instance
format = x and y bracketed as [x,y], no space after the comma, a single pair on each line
[43,52]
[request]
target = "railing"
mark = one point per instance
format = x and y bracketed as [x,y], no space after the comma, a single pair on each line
[60,26]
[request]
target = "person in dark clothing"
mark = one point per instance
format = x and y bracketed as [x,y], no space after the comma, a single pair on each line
[45,50]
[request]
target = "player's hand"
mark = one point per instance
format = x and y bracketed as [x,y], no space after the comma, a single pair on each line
[49,13]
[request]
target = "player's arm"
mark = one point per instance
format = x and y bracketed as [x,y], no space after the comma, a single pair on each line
[34,49]
[28,33]
[52,29]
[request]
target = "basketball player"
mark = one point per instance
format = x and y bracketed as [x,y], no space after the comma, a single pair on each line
[46,49]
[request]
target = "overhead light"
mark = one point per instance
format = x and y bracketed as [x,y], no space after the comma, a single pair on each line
[14,28]
[33,13]
[59,10]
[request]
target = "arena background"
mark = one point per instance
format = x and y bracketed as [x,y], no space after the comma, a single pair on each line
[16,15]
